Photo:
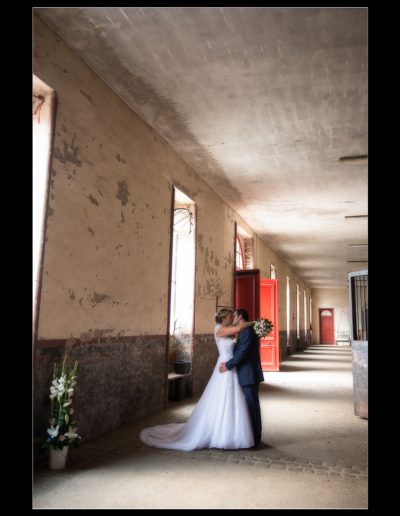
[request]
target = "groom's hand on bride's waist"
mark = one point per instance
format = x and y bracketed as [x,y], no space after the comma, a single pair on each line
[222,367]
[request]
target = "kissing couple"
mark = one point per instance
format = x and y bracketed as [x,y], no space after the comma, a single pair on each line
[228,414]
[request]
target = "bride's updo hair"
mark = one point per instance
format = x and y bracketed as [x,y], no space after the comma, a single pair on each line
[222,312]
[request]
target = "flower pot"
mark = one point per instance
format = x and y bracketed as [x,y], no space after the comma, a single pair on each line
[58,457]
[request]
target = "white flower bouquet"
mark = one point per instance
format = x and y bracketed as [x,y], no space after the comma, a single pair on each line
[263,327]
[62,431]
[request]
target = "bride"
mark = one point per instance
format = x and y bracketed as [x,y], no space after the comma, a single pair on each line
[221,418]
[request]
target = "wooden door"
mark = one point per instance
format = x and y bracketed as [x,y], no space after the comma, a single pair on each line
[260,299]
[269,346]
[326,326]
[248,292]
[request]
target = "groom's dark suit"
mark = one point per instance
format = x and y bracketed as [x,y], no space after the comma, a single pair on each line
[246,359]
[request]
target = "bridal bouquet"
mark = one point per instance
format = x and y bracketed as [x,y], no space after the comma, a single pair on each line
[263,327]
[62,431]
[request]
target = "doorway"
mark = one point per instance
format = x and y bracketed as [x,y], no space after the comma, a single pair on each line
[326,326]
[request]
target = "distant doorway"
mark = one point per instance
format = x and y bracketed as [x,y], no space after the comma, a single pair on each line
[326,326]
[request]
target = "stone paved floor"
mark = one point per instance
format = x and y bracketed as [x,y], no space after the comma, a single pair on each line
[314,453]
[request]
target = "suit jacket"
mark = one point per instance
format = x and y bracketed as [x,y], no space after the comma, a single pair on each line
[246,358]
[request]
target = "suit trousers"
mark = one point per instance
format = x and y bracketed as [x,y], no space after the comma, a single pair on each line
[253,403]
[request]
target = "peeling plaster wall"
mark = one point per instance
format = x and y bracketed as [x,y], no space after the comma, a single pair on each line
[336,298]
[106,252]
[109,209]
[106,255]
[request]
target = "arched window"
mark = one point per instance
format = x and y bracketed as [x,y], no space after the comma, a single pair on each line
[239,255]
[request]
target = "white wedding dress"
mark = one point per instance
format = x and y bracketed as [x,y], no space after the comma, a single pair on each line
[219,420]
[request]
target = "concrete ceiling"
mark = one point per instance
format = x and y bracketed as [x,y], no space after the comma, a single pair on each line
[261,102]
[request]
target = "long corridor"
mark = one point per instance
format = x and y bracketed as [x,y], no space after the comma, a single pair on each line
[313,453]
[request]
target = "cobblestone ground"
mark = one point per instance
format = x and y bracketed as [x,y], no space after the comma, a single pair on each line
[125,441]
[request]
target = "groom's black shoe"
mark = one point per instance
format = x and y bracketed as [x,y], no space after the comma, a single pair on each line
[260,446]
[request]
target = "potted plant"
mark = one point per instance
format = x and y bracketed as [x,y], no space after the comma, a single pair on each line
[62,432]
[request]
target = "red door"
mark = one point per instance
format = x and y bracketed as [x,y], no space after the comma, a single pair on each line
[326,326]
[269,345]
[260,299]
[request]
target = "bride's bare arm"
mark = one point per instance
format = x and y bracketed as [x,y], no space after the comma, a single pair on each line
[227,331]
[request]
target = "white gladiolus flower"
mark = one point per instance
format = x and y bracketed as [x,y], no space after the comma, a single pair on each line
[61,394]
[53,432]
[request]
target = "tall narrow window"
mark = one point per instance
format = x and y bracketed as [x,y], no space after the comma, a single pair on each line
[181,316]
[272,271]
[239,255]
[249,253]
[298,311]
[305,315]
[43,109]
[287,310]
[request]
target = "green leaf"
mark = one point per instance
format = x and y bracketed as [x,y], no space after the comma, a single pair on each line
[66,418]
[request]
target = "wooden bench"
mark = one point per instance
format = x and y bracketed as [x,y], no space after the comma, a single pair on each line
[177,392]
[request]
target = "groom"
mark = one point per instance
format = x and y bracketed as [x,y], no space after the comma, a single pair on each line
[246,358]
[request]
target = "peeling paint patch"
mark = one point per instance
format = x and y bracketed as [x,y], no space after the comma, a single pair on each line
[120,159]
[200,242]
[123,192]
[122,217]
[91,231]
[98,298]
[71,294]
[216,262]
[87,96]
[92,199]
[70,153]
